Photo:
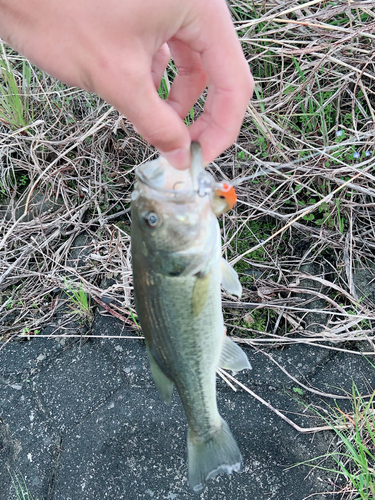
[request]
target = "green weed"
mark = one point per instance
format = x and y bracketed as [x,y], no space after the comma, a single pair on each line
[190,117]
[23,180]
[364,324]
[355,455]
[134,318]
[298,391]
[20,487]
[356,458]
[14,96]
[10,304]
[326,215]
[259,95]
[257,320]
[163,89]
[249,235]
[326,218]
[26,332]
[81,300]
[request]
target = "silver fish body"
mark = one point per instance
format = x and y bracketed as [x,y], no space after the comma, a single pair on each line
[177,273]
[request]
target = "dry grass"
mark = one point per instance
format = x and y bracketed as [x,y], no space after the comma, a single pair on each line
[304,222]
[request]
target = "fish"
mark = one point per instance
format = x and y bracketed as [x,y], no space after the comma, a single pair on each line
[178,272]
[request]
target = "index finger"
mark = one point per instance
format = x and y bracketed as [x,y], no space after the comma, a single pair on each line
[230,81]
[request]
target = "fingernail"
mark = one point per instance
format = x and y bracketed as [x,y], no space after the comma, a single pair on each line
[178,158]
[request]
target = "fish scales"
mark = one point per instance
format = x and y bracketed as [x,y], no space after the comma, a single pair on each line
[189,359]
[177,271]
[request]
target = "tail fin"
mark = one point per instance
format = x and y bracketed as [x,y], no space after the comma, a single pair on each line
[216,455]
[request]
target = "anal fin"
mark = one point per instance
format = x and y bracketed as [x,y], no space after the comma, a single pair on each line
[162,382]
[233,357]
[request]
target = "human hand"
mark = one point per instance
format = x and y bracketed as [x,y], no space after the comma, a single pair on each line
[120,49]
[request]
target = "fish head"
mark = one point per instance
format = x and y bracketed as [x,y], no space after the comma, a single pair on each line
[166,223]
[174,230]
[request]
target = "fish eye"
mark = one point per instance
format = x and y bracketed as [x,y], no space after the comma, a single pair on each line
[152,219]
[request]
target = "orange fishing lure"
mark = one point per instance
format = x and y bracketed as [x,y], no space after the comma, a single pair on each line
[226,192]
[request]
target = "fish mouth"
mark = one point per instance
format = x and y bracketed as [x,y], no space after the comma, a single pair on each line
[177,195]
[177,185]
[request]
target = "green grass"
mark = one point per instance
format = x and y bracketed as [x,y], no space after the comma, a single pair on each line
[245,235]
[356,458]
[15,106]
[354,455]
[164,89]
[80,299]
[257,320]
[20,488]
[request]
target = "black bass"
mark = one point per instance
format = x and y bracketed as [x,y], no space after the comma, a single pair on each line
[177,272]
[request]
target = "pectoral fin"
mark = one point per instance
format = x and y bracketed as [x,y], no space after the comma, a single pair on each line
[229,279]
[232,356]
[200,294]
[162,382]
